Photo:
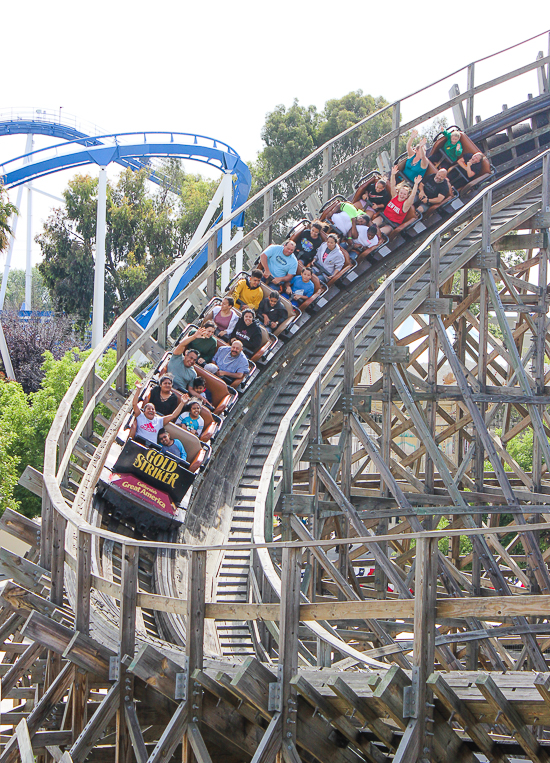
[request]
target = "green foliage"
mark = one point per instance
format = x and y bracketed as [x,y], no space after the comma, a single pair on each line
[13,411]
[6,211]
[520,448]
[25,421]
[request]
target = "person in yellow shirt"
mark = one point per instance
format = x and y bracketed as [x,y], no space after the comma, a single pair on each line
[248,292]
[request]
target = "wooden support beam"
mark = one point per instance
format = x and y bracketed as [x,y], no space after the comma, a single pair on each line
[95,726]
[252,682]
[171,737]
[24,742]
[219,690]
[20,667]
[23,601]
[384,638]
[49,699]
[197,744]
[459,710]
[271,742]
[23,571]
[21,527]
[447,745]
[82,650]
[508,716]
[425,592]
[127,638]
[135,733]
[361,709]
[158,671]
[83,581]
[512,243]
[316,700]
[194,646]
[288,642]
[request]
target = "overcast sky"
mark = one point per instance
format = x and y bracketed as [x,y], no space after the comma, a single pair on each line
[217,68]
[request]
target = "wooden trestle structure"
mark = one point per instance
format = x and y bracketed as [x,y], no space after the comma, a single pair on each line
[314,606]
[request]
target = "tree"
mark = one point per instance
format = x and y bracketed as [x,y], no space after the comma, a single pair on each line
[146,231]
[6,211]
[13,407]
[292,134]
[67,267]
[15,291]
[29,338]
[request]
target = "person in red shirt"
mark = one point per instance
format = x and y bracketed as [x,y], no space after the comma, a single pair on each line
[401,201]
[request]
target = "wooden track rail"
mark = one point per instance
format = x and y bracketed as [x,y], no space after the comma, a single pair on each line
[362,626]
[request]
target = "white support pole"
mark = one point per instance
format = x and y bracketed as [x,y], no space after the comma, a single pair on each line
[15,219]
[99,273]
[227,183]
[28,259]
[28,264]
[239,256]
[4,352]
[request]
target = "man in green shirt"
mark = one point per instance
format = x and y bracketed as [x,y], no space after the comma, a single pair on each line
[203,342]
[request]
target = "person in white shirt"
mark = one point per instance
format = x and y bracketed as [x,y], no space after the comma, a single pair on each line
[363,236]
[146,423]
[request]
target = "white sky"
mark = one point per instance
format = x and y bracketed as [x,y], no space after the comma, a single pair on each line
[217,68]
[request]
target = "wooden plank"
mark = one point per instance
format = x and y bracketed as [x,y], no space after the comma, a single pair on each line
[20,667]
[134,730]
[21,527]
[197,743]
[511,718]
[271,742]
[49,699]
[171,737]
[157,670]
[95,726]
[24,742]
